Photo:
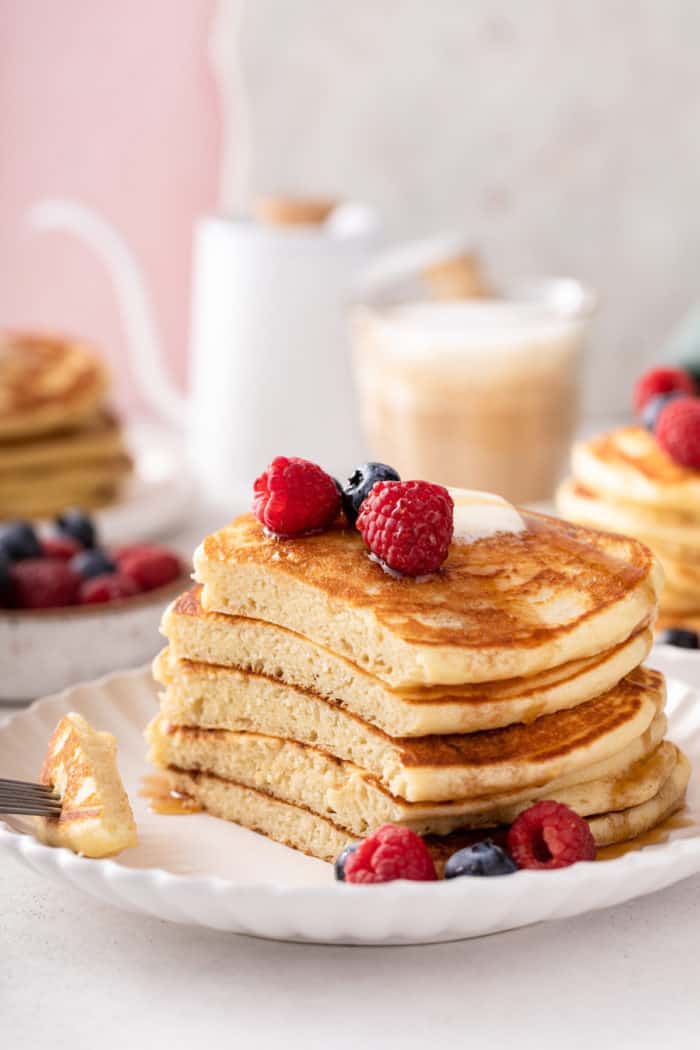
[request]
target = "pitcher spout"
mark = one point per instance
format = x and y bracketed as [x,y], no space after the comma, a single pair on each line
[136,313]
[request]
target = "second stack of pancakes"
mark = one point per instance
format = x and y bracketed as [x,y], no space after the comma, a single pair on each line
[60,445]
[311,697]
[623,480]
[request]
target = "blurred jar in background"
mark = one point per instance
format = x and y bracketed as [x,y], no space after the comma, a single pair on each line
[478,393]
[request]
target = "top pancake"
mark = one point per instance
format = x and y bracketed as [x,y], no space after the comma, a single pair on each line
[508,605]
[629,465]
[47,383]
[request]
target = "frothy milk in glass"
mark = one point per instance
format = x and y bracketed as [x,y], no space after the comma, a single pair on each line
[480,394]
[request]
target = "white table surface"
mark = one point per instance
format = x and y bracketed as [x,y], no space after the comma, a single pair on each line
[76,973]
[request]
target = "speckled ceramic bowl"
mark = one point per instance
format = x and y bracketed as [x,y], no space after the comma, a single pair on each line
[42,651]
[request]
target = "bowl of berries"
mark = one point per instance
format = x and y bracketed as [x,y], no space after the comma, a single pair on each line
[72,609]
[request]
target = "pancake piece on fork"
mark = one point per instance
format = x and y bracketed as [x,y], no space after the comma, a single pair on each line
[81,765]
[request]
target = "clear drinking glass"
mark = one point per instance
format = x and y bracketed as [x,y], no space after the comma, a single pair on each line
[479,393]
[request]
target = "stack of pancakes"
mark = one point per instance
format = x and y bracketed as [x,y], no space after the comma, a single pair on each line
[311,697]
[59,445]
[623,481]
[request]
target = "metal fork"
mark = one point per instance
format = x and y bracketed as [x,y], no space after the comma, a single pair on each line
[20,797]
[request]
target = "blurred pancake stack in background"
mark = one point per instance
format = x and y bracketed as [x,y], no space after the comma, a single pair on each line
[59,443]
[623,481]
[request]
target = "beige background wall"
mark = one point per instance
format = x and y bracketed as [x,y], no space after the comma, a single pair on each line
[564,135]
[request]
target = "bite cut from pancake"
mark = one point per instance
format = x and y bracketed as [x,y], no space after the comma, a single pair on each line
[352,797]
[205,645]
[47,383]
[319,836]
[502,607]
[80,764]
[450,766]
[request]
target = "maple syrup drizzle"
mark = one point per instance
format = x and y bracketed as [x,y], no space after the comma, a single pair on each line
[162,799]
[654,837]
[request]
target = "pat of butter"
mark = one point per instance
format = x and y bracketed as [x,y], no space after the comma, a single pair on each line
[481,514]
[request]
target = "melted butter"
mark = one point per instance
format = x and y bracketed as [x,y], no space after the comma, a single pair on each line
[481,514]
[654,837]
[162,799]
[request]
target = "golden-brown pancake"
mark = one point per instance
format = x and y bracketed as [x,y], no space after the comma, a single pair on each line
[671,533]
[467,765]
[629,465]
[506,606]
[99,438]
[47,383]
[320,836]
[207,648]
[301,773]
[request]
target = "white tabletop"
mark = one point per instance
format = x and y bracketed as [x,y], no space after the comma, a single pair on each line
[83,974]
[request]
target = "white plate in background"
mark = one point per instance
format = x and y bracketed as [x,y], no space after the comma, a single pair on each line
[159,498]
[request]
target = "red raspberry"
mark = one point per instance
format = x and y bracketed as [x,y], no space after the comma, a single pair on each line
[678,431]
[109,587]
[59,547]
[661,381]
[391,852]
[43,583]
[408,525]
[148,566]
[118,553]
[294,497]
[550,835]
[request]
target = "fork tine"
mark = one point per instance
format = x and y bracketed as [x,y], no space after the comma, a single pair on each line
[25,784]
[23,798]
[16,797]
[35,796]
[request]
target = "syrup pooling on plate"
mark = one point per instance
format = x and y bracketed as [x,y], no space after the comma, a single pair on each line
[163,799]
[661,834]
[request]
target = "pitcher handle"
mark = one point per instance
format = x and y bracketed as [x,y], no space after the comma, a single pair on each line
[143,343]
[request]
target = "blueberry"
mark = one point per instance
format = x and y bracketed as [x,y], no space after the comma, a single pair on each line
[341,859]
[483,858]
[93,562]
[19,540]
[79,526]
[6,589]
[679,637]
[360,484]
[654,406]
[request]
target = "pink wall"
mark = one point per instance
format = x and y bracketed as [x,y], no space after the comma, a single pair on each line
[111,104]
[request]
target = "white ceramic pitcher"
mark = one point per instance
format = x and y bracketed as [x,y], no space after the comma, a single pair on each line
[269,358]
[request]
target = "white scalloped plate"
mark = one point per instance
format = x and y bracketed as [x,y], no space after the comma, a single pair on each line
[199,870]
